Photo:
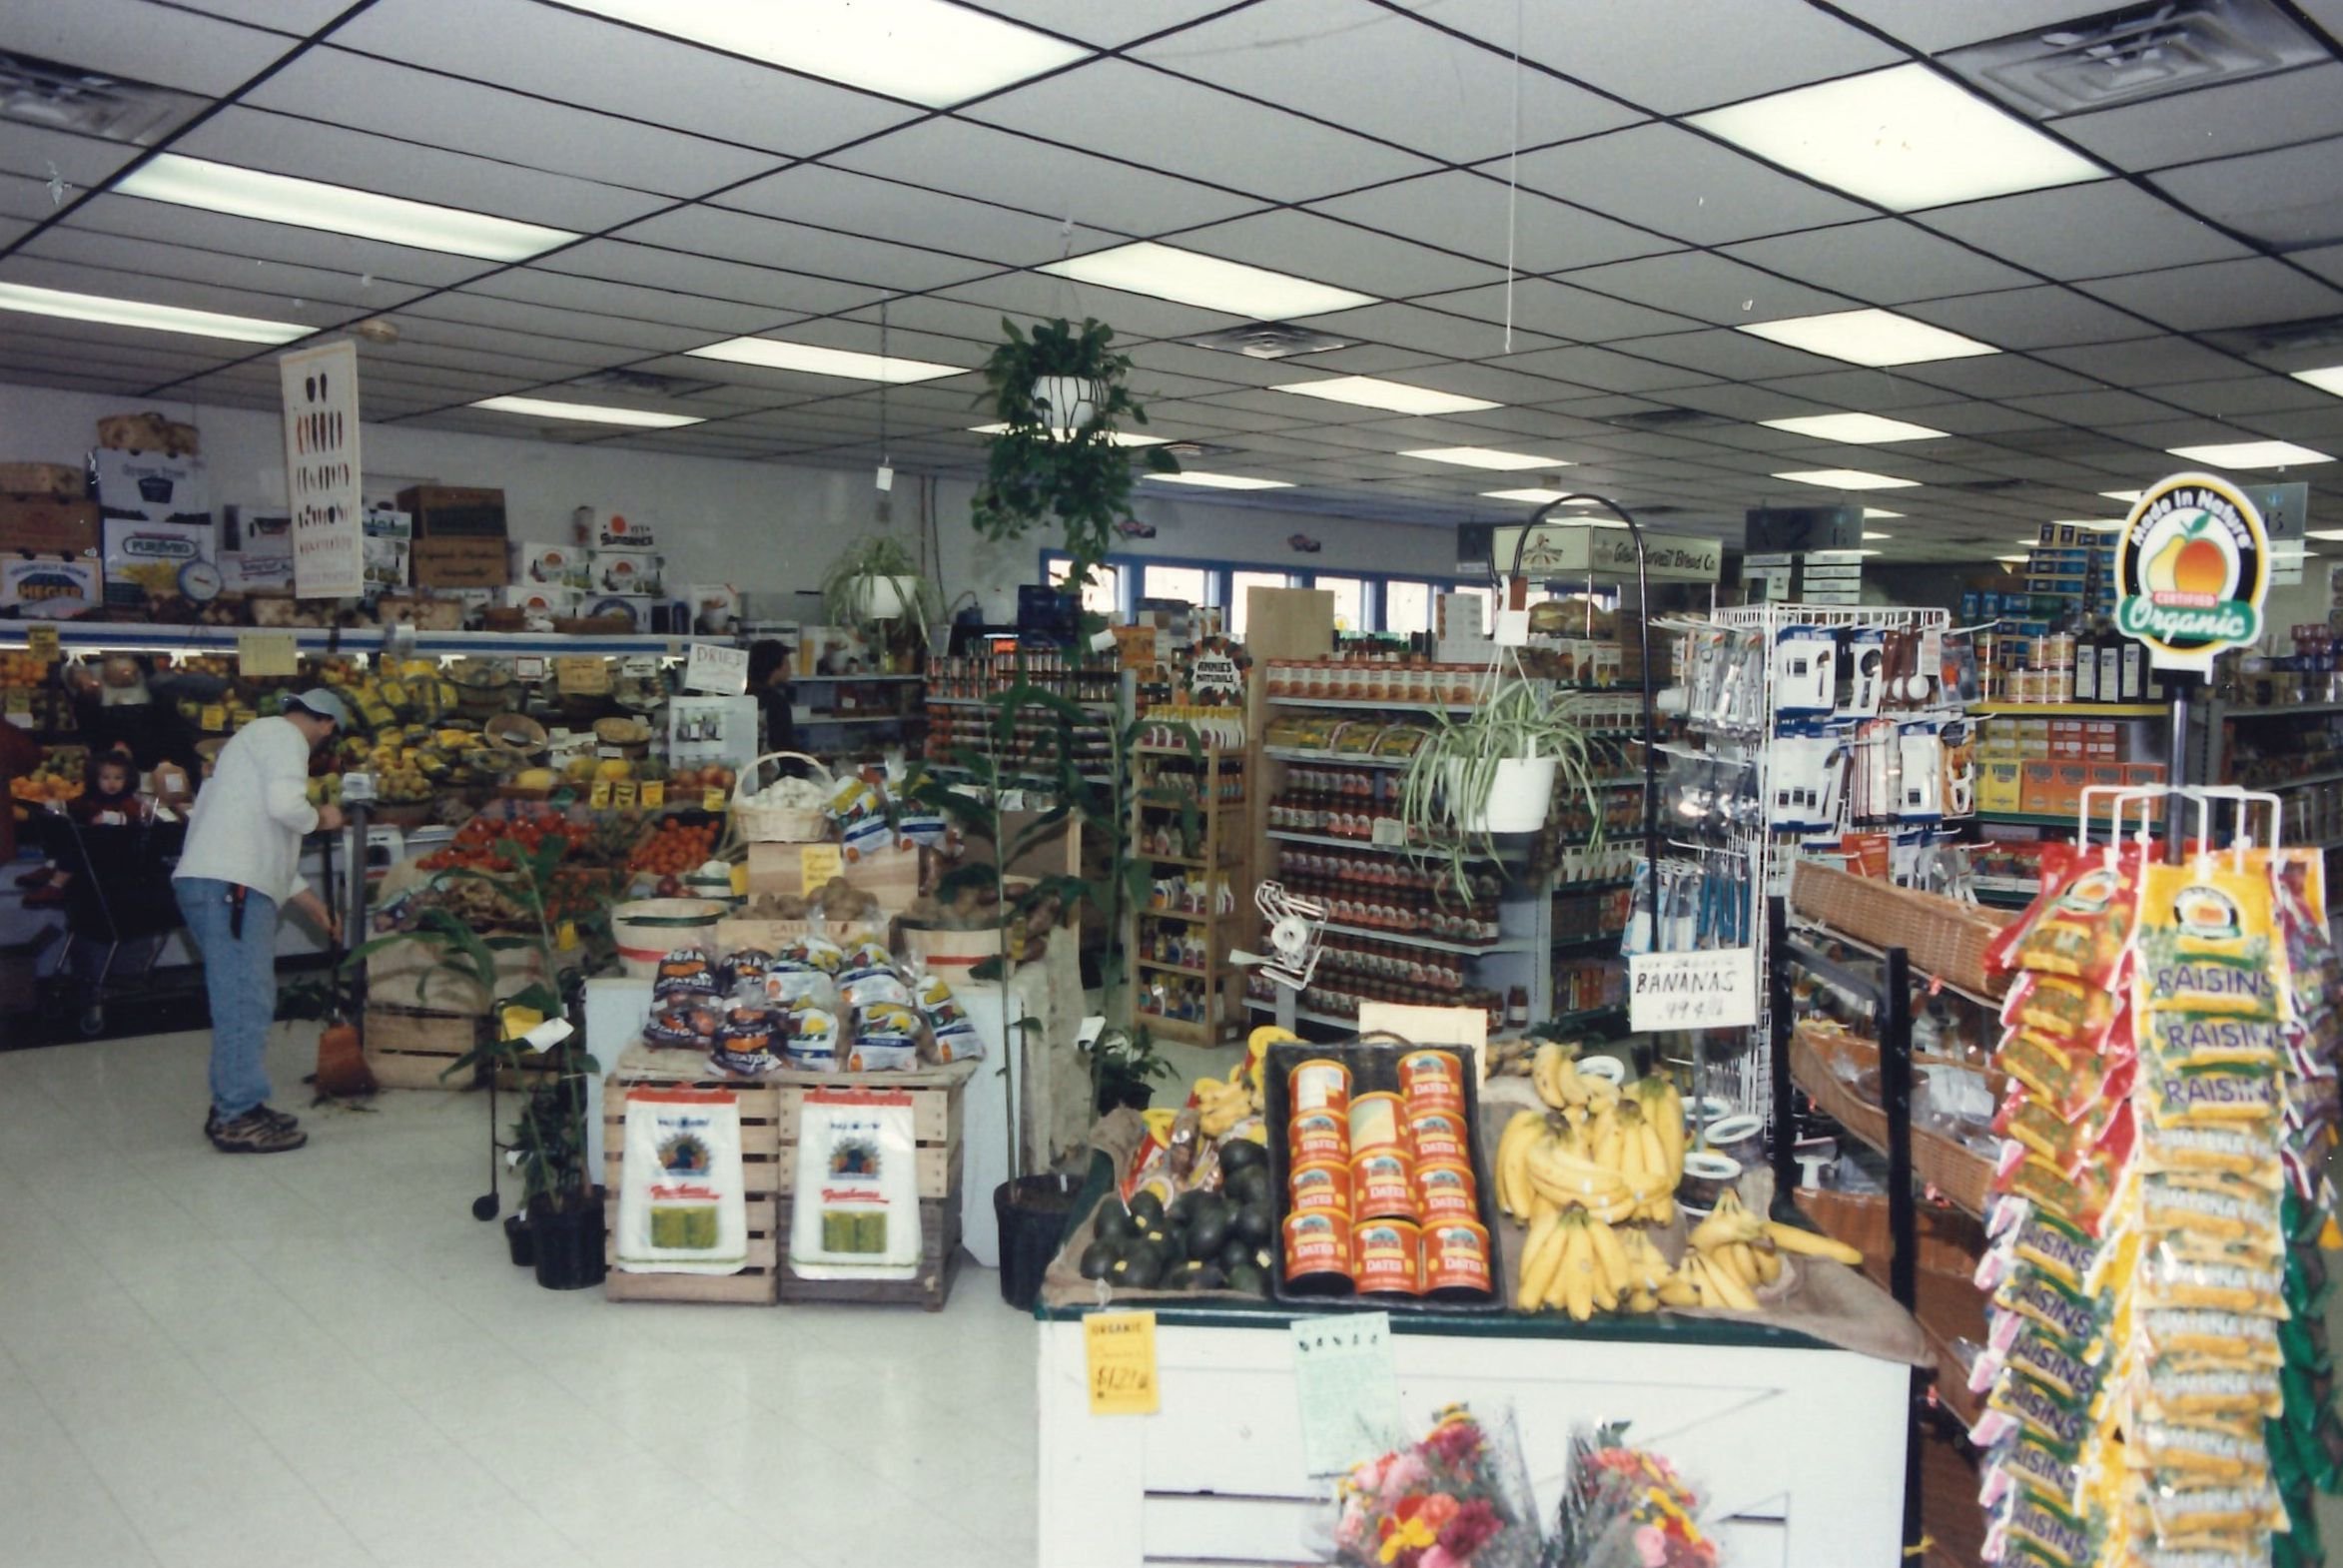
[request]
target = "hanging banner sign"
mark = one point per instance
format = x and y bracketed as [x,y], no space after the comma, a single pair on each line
[320,388]
[1572,547]
[2191,569]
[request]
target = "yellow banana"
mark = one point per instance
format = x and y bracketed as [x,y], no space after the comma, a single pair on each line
[1639,1302]
[1669,1114]
[1731,1291]
[1790,1239]
[1711,1234]
[1677,1291]
[1769,1264]
[1578,1268]
[1604,1140]
[1695,1270]
[1611,1253]
[1513,1146]
[1655,1150]
[1540,1256]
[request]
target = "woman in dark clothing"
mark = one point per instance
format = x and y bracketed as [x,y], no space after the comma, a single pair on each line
[768,682]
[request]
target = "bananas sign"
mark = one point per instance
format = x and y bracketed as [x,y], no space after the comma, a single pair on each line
[2190,571]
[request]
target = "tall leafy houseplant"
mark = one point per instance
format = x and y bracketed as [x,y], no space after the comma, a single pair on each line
[875,584]
[1516,742]
[1060,397]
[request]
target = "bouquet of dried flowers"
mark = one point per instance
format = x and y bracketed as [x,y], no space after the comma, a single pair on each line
[1457,1499]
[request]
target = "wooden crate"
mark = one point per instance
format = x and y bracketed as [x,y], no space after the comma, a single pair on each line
[935,1119]
[735,932]
[408,976]
[410,1050]
[761,1165]
[931,1287]
[891,876]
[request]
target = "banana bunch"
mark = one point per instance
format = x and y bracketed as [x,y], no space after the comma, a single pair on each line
[1221,1106]
[1619,1157]
[1560,1084]
[1579,1263]
[1730,1256]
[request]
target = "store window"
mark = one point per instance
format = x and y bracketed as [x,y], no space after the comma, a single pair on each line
[1103,594]
[1187,584]
[1239,583]
[1351,601]
[1407,607]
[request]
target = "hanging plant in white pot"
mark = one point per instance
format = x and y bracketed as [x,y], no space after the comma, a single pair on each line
[1498,771]
[875,584]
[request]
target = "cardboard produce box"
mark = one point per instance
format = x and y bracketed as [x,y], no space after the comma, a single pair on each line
[54,588]
[459,563]
[455,511]
[144,558]
[145,487]
[45,526]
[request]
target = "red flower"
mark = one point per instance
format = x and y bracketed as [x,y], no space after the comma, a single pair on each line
[1474,1525]
[1455,1442]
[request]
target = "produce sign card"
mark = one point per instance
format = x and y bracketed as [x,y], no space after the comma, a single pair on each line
[320,388]
[1118,1355]
[1349,1390]
[1710,990]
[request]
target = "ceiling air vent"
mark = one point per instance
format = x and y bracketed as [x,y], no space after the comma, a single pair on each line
[1188,452]
[1269,340]
[2324,332]
[1666,419]
[644,384]
[2136,52]
[1988,486]
[67,98]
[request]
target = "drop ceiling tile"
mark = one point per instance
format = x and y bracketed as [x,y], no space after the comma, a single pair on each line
[1600,368]
[1164,122]
[299,17]
[147,43]
[1495,380]
[2094,409]
[1263,410]
[2222,294]
[2326,260]
[1559,310]
[1862,390]
[2328,14]
[1675,58]
[124,350]
[1107,27]
[744,236]
[1177,364]
[1668,179]
[1884,261]
[2292,196]
[911,215]
[1325,250]
[1746,402]
[1134,317]
[1427,332]
[81,247]
[45,273]
[2240,397]
[249,236]
[1538,426]
[788,293]
[13,230]
[83,163]
[2217,122]
[529,346]
[986,164]
[335,87]
[1735,356]
[1998,376]
[568,292]
[1930,25]
[436,353]
[607,333]
[48,375]
[253,139]
[2037,317]
[573,58]
[1708,287]
[947,318]
[2321,428]
[1375,360]
[27,196]
[1462,209]
[2082,231]
[1148,385]
[1311,55]
[2146,362]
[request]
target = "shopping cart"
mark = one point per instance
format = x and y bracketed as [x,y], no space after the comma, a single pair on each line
[119,909]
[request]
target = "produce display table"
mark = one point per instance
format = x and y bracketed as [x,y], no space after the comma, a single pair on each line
[1799,1446]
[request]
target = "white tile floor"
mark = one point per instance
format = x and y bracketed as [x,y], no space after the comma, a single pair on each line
[321,1359]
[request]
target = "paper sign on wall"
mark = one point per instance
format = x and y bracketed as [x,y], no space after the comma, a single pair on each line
[817,864]
[1349,1390]
[1118,1350]
[40,640]
[716,668]
[320,388]
[1710,990]
[263,653]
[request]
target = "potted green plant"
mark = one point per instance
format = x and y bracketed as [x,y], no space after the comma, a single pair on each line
[1124,1067]
[1060,397]
[875,586]
[1495,771]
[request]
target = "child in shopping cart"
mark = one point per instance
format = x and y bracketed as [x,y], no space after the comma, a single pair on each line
[111,801]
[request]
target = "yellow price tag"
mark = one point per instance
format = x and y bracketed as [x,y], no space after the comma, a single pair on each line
[818,863]
[518,1021]
[40,640]
[565,936]
[16,700]
[624,793]
[1119,1349]
[655,794]
[600,796]
[712,799]
[213,717]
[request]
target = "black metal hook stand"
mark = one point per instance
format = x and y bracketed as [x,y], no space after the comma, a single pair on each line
[1891,1000]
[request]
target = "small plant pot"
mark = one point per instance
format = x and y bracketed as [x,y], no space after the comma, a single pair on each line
[519,1241]
[1073,401]
[889,598]
[1136,1097]
[569,1245]
[1518,797]
[1032,1212]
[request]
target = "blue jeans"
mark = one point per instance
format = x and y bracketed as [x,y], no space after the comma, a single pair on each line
[240,975]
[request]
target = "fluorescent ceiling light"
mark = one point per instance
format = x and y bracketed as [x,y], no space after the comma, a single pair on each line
[1905,138]
[1220,482]
[1868,552]
[2250,454]
[1874,337]
[1847,479]
[2014,560]
[154,317]
[1114,437]
[587,412]
[1874,534]
[338,209]
[814,359]
[1167,272]
[1486,458]
[1871,512]
[2127,497]
[2329,534]
[1863,428]
[1540,497]
[1373,392]
[2327,380]
[925,51]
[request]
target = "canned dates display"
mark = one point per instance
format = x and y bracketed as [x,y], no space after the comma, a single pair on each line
[1387,1256]
[1439,1136]
[1319,1085]
[1317,1250]
[1382,1185]
[1324,1187]
[1447,1192]
[1431,1077]
[1375,1123]
[1319,1135]
[1456,1257]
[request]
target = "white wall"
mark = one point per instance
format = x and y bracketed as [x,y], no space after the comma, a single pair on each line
[757,525]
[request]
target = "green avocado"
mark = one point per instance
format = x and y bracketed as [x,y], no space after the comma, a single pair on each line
[1208,1232]
[1147,1211]
[1138,1269]
[1251,1184]
[1255,1224]
[1205,1276]
[1245,1278]
[1184,1207]
[1242,1154]
[1115,1225]
[1097,1259]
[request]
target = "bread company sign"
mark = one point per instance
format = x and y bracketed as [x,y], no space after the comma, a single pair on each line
[2191,569]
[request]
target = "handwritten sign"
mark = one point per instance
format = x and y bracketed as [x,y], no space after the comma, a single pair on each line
[1349,1390]
[584,675]
[818,863]
[259,654]
[717,669]
[1711,990]
[1119,1349]
[320,388]
[40,640]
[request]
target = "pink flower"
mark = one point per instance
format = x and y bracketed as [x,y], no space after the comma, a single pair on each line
[1471,1527]
[1438,1509]
[1651,1546]
[1454,1442]
[1440,1557]
[1408,1471]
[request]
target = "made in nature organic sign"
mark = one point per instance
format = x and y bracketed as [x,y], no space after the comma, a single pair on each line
[2191,569]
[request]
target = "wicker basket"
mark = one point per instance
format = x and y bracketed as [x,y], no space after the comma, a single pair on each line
[777,824]
[1944,938]
[1816,1061]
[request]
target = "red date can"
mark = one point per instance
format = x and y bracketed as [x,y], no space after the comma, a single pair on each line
[1447,1192]
[1439,1136]
[1431,1077]
[1320,1084]
[1315,1136]
[1322,1188]
[1387,1256]
[1382,1185]
[1456,1259]
[1317,1251]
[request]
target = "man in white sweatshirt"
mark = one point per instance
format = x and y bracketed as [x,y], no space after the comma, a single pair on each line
[240,870]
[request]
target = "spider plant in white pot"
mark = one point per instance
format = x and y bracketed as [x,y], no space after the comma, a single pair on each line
[1496,771]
